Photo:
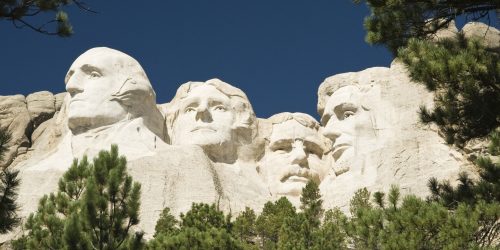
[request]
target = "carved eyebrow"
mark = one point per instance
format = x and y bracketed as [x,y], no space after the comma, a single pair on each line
[280,142]
[314,146]
[87,68]
[214,102]
[189,102]
[344,107]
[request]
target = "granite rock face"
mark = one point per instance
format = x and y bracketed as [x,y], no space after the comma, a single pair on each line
[41,106]
[24,115]
[207,145]
[15,117]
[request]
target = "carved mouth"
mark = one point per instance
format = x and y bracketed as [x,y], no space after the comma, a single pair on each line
[300,175]
[203,129]
[75,100]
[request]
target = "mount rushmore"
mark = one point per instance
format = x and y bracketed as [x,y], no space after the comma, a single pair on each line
[207,145]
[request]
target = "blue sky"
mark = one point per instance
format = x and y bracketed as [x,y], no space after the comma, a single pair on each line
[277,51]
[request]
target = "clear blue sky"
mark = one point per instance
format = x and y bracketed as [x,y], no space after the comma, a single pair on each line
[277,51]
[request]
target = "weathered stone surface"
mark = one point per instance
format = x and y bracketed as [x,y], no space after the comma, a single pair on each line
[59,99]
[490,36]
[448,32]
[15,117]
[41,106]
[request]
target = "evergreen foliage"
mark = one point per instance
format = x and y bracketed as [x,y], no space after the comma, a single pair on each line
[311,204]
[8,189]
[332,234]
[271,219]
[94,208]
[394,22]
[22,14]
[167,224]
[8,194]
[297,232]
[466,79]
[244,226]
[202,227]
[481,196]
[412,223]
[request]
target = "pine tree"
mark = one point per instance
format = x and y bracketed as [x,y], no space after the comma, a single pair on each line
[244,226]
[202,227]
[311,204]
[481,196]
[365,224]
[8,189]
[20,13]
[94,208]
[410,223]
[297,232]
[466,79]
[332,233]
[166,224]
[8,194]
[394,22]
[270,221]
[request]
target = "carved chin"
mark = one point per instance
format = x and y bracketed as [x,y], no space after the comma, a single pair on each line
[290,188]
[82,122]
[204,138]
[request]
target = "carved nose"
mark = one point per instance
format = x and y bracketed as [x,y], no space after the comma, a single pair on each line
[299,157]
[73,87]
[331,131]
[203,114]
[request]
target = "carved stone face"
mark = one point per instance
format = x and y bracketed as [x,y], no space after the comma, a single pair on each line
[293,157]
[205,118]
[91,81]
[347,123]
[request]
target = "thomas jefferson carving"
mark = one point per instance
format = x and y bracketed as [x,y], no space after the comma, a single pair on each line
[214,115]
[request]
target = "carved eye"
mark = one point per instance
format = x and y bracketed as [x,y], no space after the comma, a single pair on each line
[95,74]
[313,152]
[189,109]
[220,108]
[282,149]
[348,114]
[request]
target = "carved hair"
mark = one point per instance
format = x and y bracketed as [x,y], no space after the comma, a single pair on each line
[304,119]
[334,83]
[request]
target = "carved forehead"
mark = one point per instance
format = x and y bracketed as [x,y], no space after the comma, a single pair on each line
[205,92]
[330,85]
[347,94]
[238,98]
[304,119]
[291,130]
[105,58]
[291,126]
